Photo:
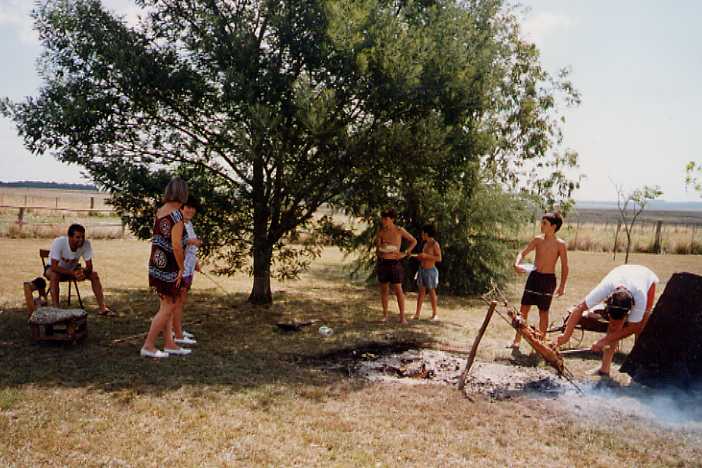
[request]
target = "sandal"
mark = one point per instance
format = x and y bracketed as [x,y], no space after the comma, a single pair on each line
[107,312]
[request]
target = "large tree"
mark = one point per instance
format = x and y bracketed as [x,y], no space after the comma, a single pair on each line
[272,108]
[498,135]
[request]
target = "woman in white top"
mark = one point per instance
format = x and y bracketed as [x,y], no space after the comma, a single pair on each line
[628,292]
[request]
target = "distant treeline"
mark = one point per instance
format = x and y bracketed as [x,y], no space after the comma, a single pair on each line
[608,216]
[48,185]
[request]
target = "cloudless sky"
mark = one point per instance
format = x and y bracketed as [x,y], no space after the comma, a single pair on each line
[636,63]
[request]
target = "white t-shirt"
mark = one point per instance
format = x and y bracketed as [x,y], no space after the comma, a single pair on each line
[190,251]
[67,258]
[636,279]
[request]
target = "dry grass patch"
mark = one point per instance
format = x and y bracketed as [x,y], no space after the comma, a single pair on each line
[248,395]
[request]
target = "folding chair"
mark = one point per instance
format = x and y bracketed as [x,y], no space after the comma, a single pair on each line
[44,255]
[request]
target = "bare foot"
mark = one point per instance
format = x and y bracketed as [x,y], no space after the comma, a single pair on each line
[404,322]
[434,317]
[415,317]
[384,319]
[599,372]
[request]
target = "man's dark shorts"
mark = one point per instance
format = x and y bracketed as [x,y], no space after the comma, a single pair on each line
[62,277]
[539,290]
[390,271]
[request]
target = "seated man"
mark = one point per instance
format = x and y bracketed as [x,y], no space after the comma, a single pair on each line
[65,253]
[628,292]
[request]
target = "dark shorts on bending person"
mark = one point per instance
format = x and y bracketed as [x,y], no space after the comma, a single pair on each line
[390,271]
[539,290]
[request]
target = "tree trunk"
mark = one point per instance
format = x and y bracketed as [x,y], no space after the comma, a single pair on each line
[262,247]
[628,246]
[261,290]
[616,240]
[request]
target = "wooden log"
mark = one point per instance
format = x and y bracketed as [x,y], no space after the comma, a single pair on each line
[537,342]
[476,342]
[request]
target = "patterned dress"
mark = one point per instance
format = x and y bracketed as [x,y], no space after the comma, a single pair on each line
[163,268]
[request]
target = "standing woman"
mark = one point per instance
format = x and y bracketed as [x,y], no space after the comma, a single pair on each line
[166,268]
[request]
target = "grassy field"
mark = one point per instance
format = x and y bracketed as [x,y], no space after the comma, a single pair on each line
[249,396]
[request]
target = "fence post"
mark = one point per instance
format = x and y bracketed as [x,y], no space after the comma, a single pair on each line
[20,218]
[124,228]
[657,240]
[57,202]
[25,200]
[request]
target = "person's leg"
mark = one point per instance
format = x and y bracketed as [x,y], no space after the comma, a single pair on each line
[524,312]
[397,288]
[97,290]
[53,287]
[543,322]
[420,299]
[178,314]
[434,303]
[608,352]
[384,299]
[161,322]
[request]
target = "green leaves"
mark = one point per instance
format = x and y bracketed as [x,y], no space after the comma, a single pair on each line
[271,109]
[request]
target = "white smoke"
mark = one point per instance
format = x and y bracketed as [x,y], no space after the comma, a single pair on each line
[668,407]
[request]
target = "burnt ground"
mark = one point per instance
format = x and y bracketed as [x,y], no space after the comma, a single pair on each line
[519,378]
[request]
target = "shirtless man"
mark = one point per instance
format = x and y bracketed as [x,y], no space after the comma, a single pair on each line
[390,271]
[628,292]
[541,283]
[428,275]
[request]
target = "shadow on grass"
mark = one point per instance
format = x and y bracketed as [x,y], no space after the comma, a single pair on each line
[239,345]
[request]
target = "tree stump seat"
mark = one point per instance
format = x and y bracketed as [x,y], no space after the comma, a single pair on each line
[53,324]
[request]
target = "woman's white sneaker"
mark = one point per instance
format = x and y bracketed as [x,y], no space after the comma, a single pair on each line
[185,340]
[188,335]
[178,351]
[153,354]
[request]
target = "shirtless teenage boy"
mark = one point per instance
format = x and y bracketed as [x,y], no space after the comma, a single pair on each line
[428,275]
[390,271]
[541,283]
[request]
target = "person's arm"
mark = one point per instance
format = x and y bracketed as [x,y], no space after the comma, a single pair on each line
[376,242]
[520,256]
[434,256]
[563,253]
[621,331]
[575,314]
[437,252]
[56,268]
[177,242]
[650,297]
[410,239]
[195,242]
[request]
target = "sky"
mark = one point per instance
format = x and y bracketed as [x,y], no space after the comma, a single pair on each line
[635,62]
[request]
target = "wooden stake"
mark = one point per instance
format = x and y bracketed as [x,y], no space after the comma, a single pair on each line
[476,342]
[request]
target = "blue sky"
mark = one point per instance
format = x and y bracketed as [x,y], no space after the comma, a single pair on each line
[636,64]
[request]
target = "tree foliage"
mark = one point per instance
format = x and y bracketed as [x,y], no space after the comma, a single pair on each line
[272,109]
[693,176]
[630,206]
[489,147]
